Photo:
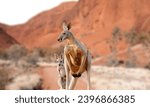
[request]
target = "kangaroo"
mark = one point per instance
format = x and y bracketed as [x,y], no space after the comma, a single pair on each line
[61,72]
[77,58]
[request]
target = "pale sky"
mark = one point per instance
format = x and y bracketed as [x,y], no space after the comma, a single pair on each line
[19,11]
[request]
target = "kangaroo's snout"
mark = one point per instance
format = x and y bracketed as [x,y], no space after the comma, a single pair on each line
[59,39]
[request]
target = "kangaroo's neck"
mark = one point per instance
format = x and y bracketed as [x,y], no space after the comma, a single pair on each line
[72,40]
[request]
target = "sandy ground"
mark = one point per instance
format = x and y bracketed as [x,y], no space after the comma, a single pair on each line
[50,79]
[119,78]
[103,78]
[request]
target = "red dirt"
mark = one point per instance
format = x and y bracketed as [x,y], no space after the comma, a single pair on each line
[49,76]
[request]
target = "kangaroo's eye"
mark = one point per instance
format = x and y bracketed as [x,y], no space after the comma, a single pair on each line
[64,33]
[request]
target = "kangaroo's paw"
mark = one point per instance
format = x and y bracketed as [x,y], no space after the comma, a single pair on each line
[76,75]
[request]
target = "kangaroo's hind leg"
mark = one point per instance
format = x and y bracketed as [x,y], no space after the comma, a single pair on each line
[88,80]
[73,83]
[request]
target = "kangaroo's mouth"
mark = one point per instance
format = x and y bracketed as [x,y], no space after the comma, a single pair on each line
[59,39]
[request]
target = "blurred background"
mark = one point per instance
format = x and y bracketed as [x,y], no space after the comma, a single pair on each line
[117,33]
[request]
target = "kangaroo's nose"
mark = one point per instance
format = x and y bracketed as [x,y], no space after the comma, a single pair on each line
[59,39]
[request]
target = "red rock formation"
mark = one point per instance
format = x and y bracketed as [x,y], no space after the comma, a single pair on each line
[5,39]
[92,22]
[41,30]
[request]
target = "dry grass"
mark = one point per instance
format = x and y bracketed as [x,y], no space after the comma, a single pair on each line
[4,78]
[20,65]
[25,82]
[119,78]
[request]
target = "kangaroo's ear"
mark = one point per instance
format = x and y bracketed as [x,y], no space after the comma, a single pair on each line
[65,27]
[69,26]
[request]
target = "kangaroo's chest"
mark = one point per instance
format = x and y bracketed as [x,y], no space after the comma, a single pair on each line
[75,55]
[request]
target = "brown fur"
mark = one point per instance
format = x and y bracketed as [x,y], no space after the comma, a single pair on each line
[75,56]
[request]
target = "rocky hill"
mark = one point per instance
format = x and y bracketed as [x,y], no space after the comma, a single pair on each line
[92,22]
[5,39]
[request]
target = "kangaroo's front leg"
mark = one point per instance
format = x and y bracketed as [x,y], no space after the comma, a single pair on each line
[88,71]
[83,60]
[67,63]
[88,80]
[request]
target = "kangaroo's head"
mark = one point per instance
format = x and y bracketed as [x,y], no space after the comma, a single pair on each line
[66,34]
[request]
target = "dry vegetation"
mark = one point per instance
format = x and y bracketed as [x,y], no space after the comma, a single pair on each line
[26,81]
[118,78]
[18,66]
[131,38]
[4,79]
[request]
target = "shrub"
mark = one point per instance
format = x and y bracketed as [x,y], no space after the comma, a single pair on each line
[38,52]
[15,52]
[117,34]
[132,37]
[144,38]
[148,66]
[31,59]
[4,78]
[130,64]
[26,82]
[50,53]
[112,61]
[3,54]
